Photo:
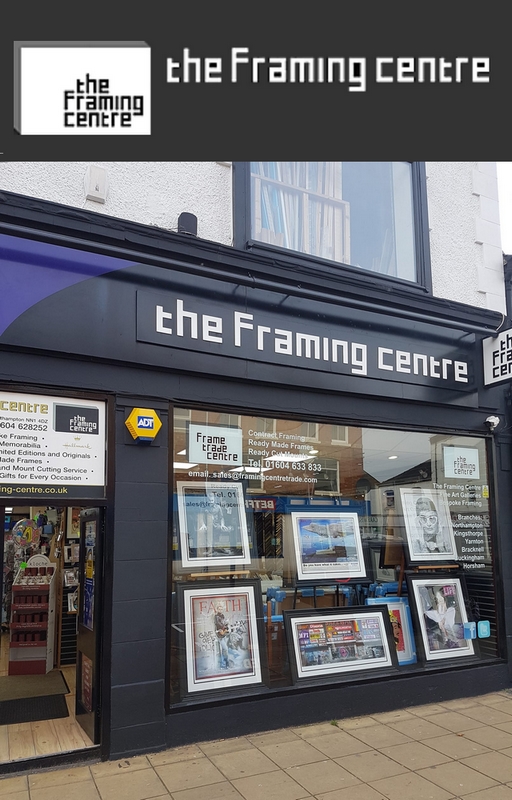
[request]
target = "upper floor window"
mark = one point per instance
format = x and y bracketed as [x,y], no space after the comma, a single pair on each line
[364,214]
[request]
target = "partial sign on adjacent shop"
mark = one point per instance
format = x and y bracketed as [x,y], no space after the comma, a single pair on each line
[51,447]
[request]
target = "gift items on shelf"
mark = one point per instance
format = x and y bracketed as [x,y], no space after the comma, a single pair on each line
[32,620]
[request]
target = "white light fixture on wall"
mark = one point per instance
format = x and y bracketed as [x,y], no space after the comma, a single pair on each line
[95,183]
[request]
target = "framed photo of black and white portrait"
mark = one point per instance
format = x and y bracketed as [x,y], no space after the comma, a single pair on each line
[428,525]
[212,524]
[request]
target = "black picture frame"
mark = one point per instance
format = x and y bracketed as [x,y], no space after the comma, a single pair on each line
[378,570]
[215,662]
[440,608]
[335,644]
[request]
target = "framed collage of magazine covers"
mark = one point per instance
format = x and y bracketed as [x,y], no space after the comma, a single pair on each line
[325,644]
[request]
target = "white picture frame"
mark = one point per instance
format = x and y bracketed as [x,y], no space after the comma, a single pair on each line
[327,545]
[401,624]
[212,524]
[428,525]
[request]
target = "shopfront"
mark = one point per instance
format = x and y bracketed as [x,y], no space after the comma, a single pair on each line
[302,509]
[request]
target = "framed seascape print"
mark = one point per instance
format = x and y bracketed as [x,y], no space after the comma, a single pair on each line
[223,636]
[439,606]
[327,643]
[401,625]
[327,545]
[428,525]
[212,524]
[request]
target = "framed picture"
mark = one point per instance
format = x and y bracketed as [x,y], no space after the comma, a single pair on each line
[327,643]
[73,523]
[439,606]
[73,602]
[401,625]
[224,646]
[70,577]
[378,572]
[428,525]
[327,545]
[212,524]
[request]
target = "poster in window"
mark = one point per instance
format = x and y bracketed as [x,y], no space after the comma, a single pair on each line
[90,546]
[212,524]
[327,545]
[326,643]
[223,635]
[401,625]
[428,525]
[440,611]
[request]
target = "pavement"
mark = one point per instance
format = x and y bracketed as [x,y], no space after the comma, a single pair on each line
[458,749]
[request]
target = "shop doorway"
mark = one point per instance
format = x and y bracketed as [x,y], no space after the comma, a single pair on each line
[50,583]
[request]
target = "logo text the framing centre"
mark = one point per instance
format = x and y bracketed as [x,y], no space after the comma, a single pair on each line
[91,104]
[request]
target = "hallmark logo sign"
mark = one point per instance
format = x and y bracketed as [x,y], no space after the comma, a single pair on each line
[82,88]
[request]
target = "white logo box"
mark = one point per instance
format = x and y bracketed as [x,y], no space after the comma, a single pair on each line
[49,76]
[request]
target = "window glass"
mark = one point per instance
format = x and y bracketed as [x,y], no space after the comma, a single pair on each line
[296,504]
[356,213]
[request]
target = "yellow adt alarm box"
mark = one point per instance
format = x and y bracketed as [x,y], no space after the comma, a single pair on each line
[143,424]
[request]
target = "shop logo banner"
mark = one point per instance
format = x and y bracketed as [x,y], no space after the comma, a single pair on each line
[82,88]
[76,419]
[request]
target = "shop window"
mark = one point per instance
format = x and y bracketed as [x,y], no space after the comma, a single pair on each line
[309,430]
[318,518]
[339,434]
[264,425]
[368,215]
[181,418]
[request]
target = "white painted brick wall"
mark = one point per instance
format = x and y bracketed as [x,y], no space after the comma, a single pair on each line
[466,254]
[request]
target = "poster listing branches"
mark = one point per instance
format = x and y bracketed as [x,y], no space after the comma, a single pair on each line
[467,494]
[449,520]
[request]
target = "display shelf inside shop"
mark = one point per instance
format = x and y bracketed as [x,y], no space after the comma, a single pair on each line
[32,620]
